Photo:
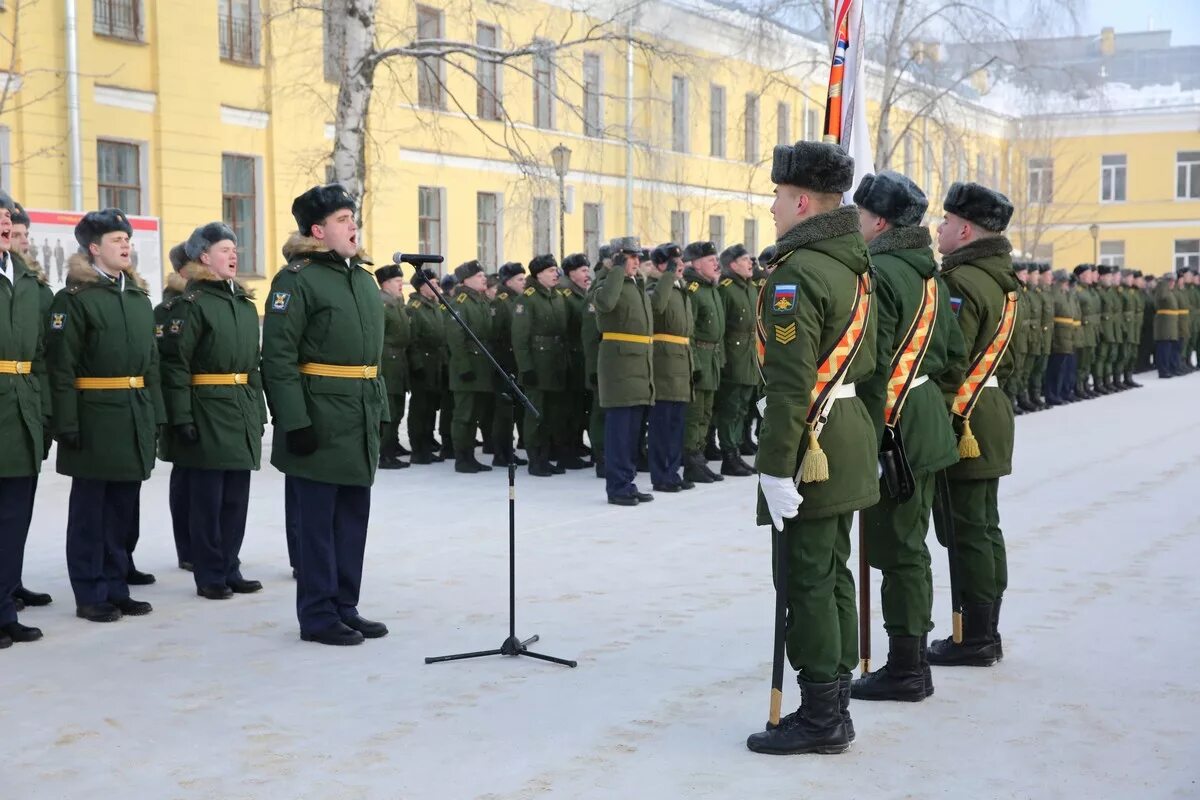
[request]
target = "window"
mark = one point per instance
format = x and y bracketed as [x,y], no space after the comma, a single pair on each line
[1187,253]
[487,77]
[1112,253]
[1112,179]
[716,231]
[543,226]
[593,90]
[334,43]
[679,114]
[812,125]
[751,132]
[750,235]
[1187,175]
[429,219]
[543,89]
[593,230]
[487,229]
[716,121]
[679,228]
[239,22]
[783,124]
[1041,180]
[239,208]
[121,19]
[431,91]
[119,175]
[981,168]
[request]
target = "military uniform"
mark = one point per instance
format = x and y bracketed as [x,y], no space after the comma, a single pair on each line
[739,374]
[672,308]
[1132,300]
[504,408]
[708,357]
[397,335]
[1108,334]
[1089,333]
[539,336]
[578,399]
[1037,380]
[179,484]
[1020,348]
[1166,328]
[589,339]
[471,378]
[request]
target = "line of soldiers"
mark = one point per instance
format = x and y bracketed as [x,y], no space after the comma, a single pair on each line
[1174,300]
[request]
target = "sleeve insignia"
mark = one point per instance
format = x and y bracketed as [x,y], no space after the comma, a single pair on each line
[727,282]
[175,327]
[280,302]
[785,334]
[530,292]
[785,297]
[503,295]
[955,305]
[58,321]
[158,330]
[693,286]
[519,308]
[462,298]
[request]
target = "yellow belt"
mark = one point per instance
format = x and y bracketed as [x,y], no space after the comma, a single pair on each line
[340,371]
[627,337]
[16,367]
[669,339]
[129,382]
[1065,321]
[232,379]
[1171,312]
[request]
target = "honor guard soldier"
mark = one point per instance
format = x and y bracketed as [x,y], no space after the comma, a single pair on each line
[449,286]
[1030,325]
[917,338]
[1108,339]
[512,284]
[104,377]
[397,334]
[1085,347]
[1019,346]
[1133,301]
[1183,288]
[624,368]
[708,348]
[1059,370]
[671,305]
[589,336]
[213,393]
[179,486]
[1166,326]
[470,370]
[1045,334]
[578,279]
[426,363]
[322,346]
[739,375]
[977,269]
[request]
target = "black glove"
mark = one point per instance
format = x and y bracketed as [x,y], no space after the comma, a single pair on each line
[417,374]
[466,377]
[187,432]
[697,376]
[47,440]
[302,441]
[529,378]
[70,440]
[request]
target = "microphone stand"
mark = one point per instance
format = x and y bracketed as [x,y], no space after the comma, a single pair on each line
[513,645]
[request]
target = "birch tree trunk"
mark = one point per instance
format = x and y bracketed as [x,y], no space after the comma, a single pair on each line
[354,94]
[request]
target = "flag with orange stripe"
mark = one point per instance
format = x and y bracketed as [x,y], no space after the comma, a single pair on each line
[983,368]
[908,358]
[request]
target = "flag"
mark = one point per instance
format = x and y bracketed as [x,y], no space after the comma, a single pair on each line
[846,111]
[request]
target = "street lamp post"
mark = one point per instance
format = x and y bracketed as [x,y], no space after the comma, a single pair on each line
[561,156]
[1094,230]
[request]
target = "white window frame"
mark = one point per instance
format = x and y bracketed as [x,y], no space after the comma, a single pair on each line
[1115,257]
[1187,258]
[1112,170]
[1192,179]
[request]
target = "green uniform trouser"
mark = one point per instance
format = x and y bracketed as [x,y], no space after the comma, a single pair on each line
[895,534]
[1085,356]
[487,416]
[389,442]
[822,618]
[446,419]
[1037,376]
[982,562]
[1100,362]
[576,403]
[733,403]
[421,416]
[502,425]
[699,416]
[548,429]
[596,427]
[469,409]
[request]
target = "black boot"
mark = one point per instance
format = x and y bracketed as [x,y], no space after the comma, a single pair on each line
[925,670]
[748,447]
[816,727]
[539,465]
[598,463]
[711,451]
[553,454]
[447,452]
[978,648]
[1130,382]
[716,477]
[391,462]
[694,468]
[568,458]
[464,461]
[900,678]
[732,464]
[844,683]
[1025,403]
[996,628]
[421,456]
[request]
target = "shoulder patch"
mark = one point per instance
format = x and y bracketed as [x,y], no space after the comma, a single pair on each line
[158,330]
[176,327]
[727,282]
[530,292]
[519,308]
[956,305]
[58,321]
[785,334]
[414,303]
[462,298]
[298,265]
[785,297]
[503,295]
[693,286]
[280,302]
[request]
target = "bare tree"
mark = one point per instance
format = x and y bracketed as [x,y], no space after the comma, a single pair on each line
[1044,165]
[21,88]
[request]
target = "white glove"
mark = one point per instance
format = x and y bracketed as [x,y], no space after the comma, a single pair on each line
[783,501]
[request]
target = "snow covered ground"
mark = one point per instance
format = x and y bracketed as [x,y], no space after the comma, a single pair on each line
[668,609]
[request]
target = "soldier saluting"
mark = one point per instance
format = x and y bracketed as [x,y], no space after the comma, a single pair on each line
[539,342]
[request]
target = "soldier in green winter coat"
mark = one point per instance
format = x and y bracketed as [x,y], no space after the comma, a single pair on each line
[104,378]
[1043,334]
[708,355]
[913,317]
[426,363]
[1030,322]
[213,392]
[739,374]
[1020,337]
[179,485]
[1132,299]
[1109,333]
[505,411]
[671,305]
[977,269]
[397,333]
[321,353]
[1187,308]
[817,299]
[471,378]
[1060,378]
[1166,326]
[1089,307]
[577,279]
[589,337]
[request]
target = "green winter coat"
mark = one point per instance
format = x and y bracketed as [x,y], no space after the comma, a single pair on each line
[427,350]
[470,370]
[539,338]
[978,276]
[903,261]
[708,335]
[739,296]
[624,369]
[397,334]
[1131,302]
[176,285]
[323,310]
[672,307]
[808,299]
[24,397]
[1089,309]
[1047,320]
[101,328]
[1184,302]
[1066,321]
[1020,337]
[213,330]
[502,343]
[576,298]
[1031,314]
[589,333]
[1111,310]
[1166,325]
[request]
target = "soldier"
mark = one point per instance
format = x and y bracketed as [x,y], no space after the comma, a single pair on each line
[448,285]
[977,268]
[397,334]
[470,371]
[1133,301]
[574,289]
[539,341]
[179,486]
[213,393]
[739,375]
[1107,334]
[816,433]
[672,308]
[624,368]
[1032,315]
[1060,381]
[104,379]
[322,345]
[1037,380]
[589,336]
[1166,325]
[1020,338]
[427,362]
[512,284]
[1089,334]
[708,342]
[1183,291]
[1193,316]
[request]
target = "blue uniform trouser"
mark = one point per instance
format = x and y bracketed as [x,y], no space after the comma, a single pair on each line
[178,501]
[666,441]
[1056,366]
[1067,388]
[332,535]
[99,520]
[16,512]
[217,501]
[1164,357]
[291,522]
[622,433]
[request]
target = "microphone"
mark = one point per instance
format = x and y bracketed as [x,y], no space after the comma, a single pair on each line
[416,259]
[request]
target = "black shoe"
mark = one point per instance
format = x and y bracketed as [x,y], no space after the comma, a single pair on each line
[136,578]
[623,500]
[446,453]
[464,461]
[996,628]
[133,608]
[243,586]
[685,484]
[5,642]
[401,450]
[925,670]
[539,465]
[421,457]
[337,634]
[186,566]
[99,612]
[643,497]
[216,591]
[567,458]
[669,488]
[732,464]
[817,726]
[694,468]
[369,629]
[716,477]
[32,599]
[978,648]
[748,447]
[16,632]
[391,462]
[900,678]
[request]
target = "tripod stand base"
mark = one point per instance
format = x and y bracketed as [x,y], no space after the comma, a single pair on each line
[512,647]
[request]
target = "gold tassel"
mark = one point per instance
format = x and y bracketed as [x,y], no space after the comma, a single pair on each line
[968,445]
[814,468]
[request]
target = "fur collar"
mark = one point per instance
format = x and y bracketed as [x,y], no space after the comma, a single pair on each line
[907,237]
[81,273]
[176,282]
[298,244]
[198,272]
[31,265]
[828,225]
[980,248]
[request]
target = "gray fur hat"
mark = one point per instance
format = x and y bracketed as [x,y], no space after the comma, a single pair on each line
[892,196]
[510,269]
[819,166]
[733,253]
[697,250]
[1061,276]
[976,203]
[6,201]
[627,244]
[178,256]
[464,271]
[19,215]
[205,237]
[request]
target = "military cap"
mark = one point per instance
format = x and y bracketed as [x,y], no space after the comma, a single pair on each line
[312,207]
[768,254]
[1081,268]
[665,252]
[1137,273]
[422,276]
[1044,266]
[1020,266]
[1183,271]
[626,244]
[177,255]
[205,236]
[6,201]
[605,252]
[448,282]
[819,166]
[386,273]
[892,196]
[1061,276]
[511,269]
[1107,269]
[95,224]
[699,250]
[541,263]
[644,255]
[493,280]
[466,270]
[976,203]
[733,253]
[575,261]
[20,216]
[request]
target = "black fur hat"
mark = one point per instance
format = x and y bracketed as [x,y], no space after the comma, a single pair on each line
[1081,268]
[6,201]
[541,263]
[1105,269]
[575,261]
[819,166]
[178,256]
[665,252]
[1021,266]
[626,244]
[699,250]
[1044,266]
[95,224]
[312,207]
[510,269]
[20,216]
[386,273]
[423,276]
[767,255]
[733,253]
[892,196]
[976,203]
[644,255]
[464,271]
[205,236]
[605,252]
[448,282]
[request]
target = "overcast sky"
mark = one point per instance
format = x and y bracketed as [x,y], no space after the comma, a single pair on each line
[1182,17]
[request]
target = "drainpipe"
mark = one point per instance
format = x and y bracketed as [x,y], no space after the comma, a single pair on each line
[75,153]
